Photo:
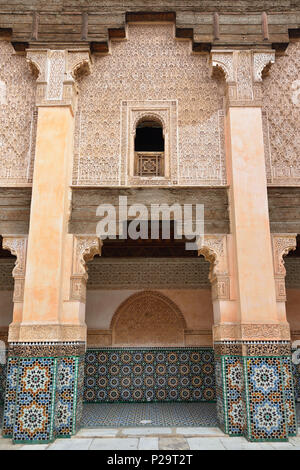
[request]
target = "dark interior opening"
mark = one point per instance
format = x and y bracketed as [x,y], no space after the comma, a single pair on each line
[149,137]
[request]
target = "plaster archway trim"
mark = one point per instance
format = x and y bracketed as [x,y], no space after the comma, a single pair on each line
[146,294]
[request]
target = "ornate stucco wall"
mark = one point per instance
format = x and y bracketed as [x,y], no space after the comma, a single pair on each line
[150,65]
[17,117]
[281,111]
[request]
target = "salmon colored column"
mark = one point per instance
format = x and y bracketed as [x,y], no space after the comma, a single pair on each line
[251,247]
[47,258]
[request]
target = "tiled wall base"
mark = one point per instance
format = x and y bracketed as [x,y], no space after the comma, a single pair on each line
[255,394]
[43,394]
[296,373]
[149,374]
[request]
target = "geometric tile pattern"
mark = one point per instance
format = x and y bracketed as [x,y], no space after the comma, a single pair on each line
[10,397]
[296,376]
[149,414]
[35,400]
[290,404]
[65,403]
[156,375]
[255,397]
[233,395]
[2,382]
[42,398]
[265,399]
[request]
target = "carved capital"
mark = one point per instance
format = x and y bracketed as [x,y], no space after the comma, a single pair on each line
[56,72]
[214,250]
[84,249]
[282,244]
[243,70]
[17,245]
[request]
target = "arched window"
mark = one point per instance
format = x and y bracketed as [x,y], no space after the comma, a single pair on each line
[149,148]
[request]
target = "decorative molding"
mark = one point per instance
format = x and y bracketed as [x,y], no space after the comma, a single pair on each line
[17,245]
[243,70]
[85,247]
[56,72]
[282,244]
[214,250]
[251,331]
[148,273]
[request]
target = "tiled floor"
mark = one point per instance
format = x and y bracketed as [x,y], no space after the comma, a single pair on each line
[149,414]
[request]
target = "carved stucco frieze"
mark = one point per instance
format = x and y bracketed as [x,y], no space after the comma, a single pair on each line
[282,245]
[214,250]
[85,247]
[56,72]
[17,245]
[251,332]
[243,71]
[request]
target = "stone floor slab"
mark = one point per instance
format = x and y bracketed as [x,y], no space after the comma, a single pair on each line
[114,444]
[34,447]
[98,432]
[145,431]
[205,443]
[173,443]
[71,444]
[148,443]
[194,431]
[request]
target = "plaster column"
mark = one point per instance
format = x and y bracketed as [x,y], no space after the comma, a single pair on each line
[253,346]
[46,344]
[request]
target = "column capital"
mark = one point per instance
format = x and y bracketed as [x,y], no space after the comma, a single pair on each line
[17,245]
[243,71]
[56,72]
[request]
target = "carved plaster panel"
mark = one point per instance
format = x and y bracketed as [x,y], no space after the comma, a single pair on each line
[214,249]
[17,122]
[281,113]
[85,247]
[17,245]
[282,245]
[243,71]
[56,71]
[150,66]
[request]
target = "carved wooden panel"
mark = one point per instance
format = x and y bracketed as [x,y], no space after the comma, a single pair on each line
[150,65]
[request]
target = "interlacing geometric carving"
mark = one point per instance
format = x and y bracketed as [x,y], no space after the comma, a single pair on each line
[214,250]
[282,245]
[56,72]
[85,247]
[17,123]
[150,66]
[281,112]
[243,70]
[17,245]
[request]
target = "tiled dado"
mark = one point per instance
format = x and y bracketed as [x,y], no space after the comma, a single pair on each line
[255,394]
[43,391]
[151,374]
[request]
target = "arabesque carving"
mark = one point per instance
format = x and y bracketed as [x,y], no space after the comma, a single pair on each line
[214,249]
[243,70]
[85,247]
[150,66]
[17,123]
[281,107]
[282,245]
[17,245]
[56,72]
[148,318]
